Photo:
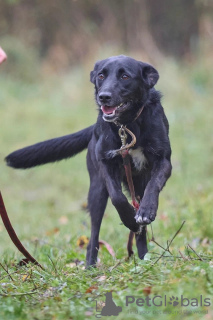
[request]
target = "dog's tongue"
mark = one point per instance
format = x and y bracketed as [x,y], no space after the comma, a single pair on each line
[107,109]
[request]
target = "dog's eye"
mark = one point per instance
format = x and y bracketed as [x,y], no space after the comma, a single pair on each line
[101,76]
[125,77]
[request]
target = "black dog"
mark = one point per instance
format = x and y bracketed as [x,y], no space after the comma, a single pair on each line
[123,87]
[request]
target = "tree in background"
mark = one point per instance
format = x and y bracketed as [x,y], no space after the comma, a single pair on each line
[66,31]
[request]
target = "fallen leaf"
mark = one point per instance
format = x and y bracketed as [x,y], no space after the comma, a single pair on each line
[82,241]
[147,290]
[101,278]
[25,277]
[57,298]
[52,231]
[108,247]
[63,220]
[71,265]
[90,289]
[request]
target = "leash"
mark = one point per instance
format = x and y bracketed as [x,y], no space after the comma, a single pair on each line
[124,151]
[13,235]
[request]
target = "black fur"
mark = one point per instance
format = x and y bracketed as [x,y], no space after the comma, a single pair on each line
[127,83]
[50,150]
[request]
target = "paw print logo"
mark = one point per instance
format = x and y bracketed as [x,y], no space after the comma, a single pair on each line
[174,301]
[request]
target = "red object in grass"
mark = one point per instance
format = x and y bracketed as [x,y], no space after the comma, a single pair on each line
[13,235]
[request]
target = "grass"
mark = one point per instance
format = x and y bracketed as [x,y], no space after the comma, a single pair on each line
[46,205]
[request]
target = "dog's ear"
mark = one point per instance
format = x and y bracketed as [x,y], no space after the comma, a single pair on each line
[93,73]
[92,76]
[149,74]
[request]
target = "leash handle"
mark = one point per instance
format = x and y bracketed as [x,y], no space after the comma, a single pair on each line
[12,234]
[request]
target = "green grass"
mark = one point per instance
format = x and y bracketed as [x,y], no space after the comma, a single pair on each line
[45,204]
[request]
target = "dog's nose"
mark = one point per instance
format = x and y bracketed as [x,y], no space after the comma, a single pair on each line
[105,97]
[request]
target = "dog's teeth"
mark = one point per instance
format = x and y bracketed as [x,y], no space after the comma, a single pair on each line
[120,105]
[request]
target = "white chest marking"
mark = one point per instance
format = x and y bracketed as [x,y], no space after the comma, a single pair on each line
[138,158]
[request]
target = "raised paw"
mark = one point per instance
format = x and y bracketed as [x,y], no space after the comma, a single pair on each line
[145,216]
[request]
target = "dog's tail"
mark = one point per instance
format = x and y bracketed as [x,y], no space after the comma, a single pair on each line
[50,150]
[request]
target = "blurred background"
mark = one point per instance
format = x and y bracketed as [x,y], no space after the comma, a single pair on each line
[45,92]
[60,35]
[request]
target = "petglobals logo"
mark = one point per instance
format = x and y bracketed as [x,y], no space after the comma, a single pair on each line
[109,307]
[163,301]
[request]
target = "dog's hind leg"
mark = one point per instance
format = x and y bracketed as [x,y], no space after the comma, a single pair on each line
[97,200]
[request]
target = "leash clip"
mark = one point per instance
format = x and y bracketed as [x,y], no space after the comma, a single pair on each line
[123,136]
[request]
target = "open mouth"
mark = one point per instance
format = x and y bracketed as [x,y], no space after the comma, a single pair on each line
[109,112]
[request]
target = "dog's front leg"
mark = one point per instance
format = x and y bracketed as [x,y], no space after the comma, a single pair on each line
[111,175]
[149,204]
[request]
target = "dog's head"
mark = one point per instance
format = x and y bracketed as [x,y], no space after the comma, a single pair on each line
[122,87]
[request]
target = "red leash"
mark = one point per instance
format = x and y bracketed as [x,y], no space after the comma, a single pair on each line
[124,151]
[13,235]
[127,167]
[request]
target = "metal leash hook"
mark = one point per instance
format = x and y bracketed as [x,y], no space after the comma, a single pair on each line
[122,135]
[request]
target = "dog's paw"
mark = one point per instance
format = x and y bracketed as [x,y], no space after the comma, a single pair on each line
[145,215]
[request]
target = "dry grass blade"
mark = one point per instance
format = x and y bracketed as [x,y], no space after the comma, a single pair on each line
[170,242]
[6,272]
[195,253]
